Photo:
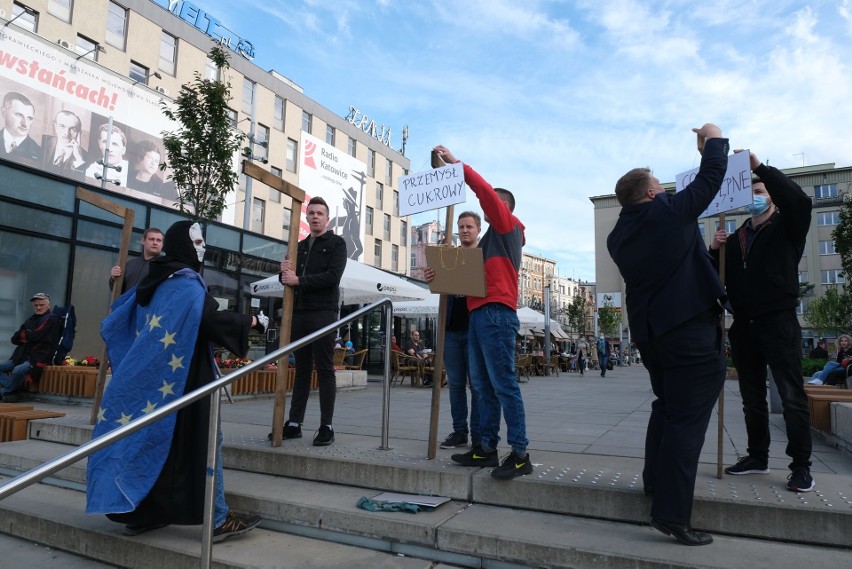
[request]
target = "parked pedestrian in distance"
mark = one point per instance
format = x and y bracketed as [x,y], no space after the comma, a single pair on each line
[315,279]
[493,327]
[762,279]
[819,352]
[673,309]
[603,354]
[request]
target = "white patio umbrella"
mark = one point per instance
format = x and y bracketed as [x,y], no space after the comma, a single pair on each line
[534,320]
[426,307]
[360,284]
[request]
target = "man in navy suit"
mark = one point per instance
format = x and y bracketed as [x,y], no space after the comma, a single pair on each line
[18,115]
[673,294]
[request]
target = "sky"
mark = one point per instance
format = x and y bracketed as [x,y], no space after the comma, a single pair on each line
[555,100]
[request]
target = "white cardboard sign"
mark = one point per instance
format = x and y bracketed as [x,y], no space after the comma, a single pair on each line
[736,187]
[432,189]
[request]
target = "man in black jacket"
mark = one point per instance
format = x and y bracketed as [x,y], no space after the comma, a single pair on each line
[319,267]
[673,308]
[762,264]
[137,267]
[36,342]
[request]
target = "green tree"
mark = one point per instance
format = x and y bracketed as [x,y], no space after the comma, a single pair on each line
[201,151]
[827,314]
[609,320]
[577,315]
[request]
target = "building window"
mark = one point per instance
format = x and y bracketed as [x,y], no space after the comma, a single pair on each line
[232,117]
[828,218]
[61,9]
[138,72]
[211,72]
[827,248]
[168,53]
[25,17]
[248,95]
[377,253]
[701,228]
[825,191]
[329,135]
[260,148]
[395,257]
[286,225]
[413,261]
[116,32]
[368,221]
[307,119]
[389,173]
[87,48]
[352,147]
[292,152]
[275,195]
[258,209]
[395,202]
[278,114]
[380,195]
[371,163]
[832,276]
[803,276]
[730,226]
[403,233]
[387,227]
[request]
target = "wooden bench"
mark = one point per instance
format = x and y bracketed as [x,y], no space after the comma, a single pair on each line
[819,406]
[71,381]
[14,424]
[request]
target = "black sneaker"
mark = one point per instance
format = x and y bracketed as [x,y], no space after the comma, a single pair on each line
[234,525]
[476,457]
[137,529]
[290,432]
[324,436]
[748,465]
[456,439]
[800,480]
[512,466]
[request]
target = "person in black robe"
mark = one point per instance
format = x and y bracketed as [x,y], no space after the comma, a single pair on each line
[177,494]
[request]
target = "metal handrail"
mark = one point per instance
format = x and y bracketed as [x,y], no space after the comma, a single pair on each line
[37,474]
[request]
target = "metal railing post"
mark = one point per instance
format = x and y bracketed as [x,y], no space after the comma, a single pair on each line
[210,480]
[388,312]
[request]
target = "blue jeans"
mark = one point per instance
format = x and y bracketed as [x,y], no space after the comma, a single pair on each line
[491,349]
[16,381]
[220,507]
[456,362]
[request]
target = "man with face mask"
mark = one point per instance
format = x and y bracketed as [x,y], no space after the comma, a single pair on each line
[159,338]
[762,268]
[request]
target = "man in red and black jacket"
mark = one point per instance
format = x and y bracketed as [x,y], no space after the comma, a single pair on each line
[492,329]
[36,342]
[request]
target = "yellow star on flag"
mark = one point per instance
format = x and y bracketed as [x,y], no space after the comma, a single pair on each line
[150,407]
[124,419]
[175,363]
[101,414]
[168,339]
[154,323]
[166,389]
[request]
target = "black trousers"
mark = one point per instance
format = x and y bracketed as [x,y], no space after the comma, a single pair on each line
[687,370]
[319,355]
[775,340]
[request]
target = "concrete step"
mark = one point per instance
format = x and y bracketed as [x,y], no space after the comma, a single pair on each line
[456,534]
[594,486]
[55,517]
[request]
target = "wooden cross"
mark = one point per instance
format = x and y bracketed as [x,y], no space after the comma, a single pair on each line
[297,195]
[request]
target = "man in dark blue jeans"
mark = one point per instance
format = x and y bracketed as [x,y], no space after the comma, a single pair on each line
[493,327]
[455,348]
[316,279]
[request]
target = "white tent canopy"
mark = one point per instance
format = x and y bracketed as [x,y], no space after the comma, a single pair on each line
[426,307]
[534,321]
[361,284]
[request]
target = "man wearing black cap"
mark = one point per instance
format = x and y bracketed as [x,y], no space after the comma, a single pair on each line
[36,342]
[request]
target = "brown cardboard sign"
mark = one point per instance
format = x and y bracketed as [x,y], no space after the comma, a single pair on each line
[457,270]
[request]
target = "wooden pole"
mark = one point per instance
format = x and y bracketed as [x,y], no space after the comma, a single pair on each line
[126,233]
[297,195]
[720,409]
[438,356]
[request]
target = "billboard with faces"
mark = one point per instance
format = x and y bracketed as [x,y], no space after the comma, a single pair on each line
[55,110]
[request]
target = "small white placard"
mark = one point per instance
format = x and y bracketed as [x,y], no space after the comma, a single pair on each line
[736,187]
[255,303]
[432,189]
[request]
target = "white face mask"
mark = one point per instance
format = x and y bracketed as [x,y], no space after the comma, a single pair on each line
[197,241]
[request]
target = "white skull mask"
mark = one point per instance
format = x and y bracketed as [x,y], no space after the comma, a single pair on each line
[197,241]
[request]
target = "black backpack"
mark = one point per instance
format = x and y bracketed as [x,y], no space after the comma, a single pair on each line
[69,328]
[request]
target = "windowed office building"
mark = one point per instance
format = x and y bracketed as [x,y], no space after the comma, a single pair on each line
[92,74]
